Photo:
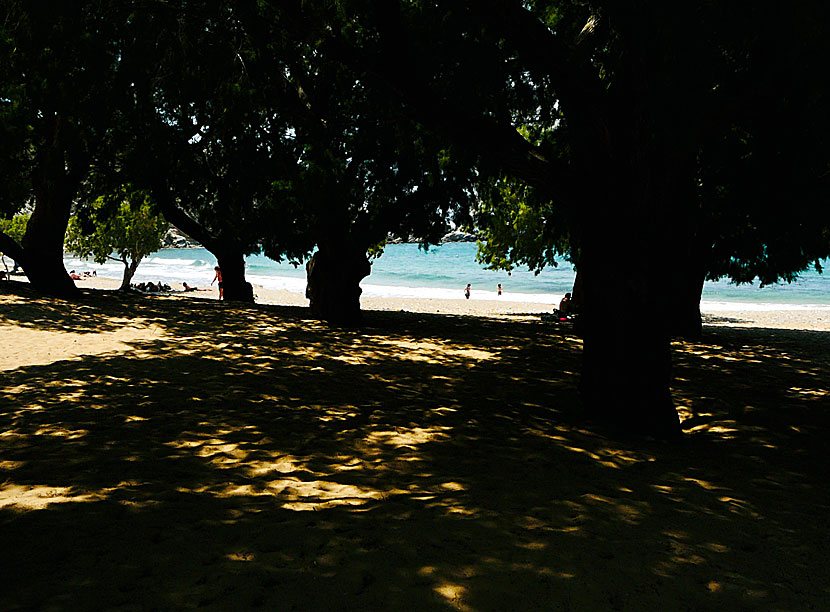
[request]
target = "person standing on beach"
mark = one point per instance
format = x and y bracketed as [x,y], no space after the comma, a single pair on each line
[218,277]
[499,288]
[467,291]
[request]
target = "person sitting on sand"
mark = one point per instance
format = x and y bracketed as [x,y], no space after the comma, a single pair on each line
[565,308]
[565,305]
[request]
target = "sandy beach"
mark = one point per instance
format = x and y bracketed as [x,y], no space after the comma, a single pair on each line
[717,314]
[162,453]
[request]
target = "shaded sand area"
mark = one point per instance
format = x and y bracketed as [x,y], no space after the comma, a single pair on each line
[168,454]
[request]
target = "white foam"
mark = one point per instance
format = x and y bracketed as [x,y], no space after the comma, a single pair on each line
[171,261]
[278,283]
[371,290]
[199,272]
[706,306]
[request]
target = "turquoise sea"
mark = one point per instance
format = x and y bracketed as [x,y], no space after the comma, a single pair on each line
[443,271]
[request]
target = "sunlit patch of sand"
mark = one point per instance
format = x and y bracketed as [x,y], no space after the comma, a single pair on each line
[37,497]
[432,352]
[299,495]
[23,346]
[453,594]
[408,436]
[62,432]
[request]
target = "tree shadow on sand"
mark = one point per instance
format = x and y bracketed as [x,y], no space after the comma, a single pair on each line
[248,458]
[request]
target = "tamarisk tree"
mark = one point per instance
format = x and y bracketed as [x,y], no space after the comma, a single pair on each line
[126,234]
[61,82]
[656,123]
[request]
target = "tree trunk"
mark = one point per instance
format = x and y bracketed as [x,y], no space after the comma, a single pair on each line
[43,243]
[687,287]
[234,286]
[334,274]
[129,272]
[230,260]
[626,372]
[577,293]
[9,247]
[54,188]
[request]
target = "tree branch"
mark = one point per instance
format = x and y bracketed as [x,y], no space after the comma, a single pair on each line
[175,215]
[497,143]
[9,246]
[572,75]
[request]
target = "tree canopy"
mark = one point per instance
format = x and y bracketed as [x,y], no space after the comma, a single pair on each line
[61,84]
[692,133]
[642,127]
[126,234]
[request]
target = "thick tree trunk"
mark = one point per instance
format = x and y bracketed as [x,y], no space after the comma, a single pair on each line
[687,287]
[577,293]
[43,244]
[333,275]
[626,371]
[54,188]
[235,287]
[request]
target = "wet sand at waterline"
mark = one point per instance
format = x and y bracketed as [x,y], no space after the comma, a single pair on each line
[171,454]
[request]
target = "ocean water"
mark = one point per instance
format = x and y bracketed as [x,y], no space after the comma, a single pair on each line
[404,270]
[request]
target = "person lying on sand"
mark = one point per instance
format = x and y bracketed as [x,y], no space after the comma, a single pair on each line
[189,288]
[74,276]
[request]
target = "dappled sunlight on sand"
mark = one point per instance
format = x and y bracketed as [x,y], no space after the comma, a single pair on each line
[28,347]
[248,458]
[408,437]
[433,352]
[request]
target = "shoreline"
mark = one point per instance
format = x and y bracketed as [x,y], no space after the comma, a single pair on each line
[733,314]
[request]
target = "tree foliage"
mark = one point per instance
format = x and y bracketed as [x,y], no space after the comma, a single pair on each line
[126,234]
[62,81]
[15,227]
[753,120]
[692,131]
[633,127]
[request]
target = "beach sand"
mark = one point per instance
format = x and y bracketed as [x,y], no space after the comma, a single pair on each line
[160,453]
[720,314]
